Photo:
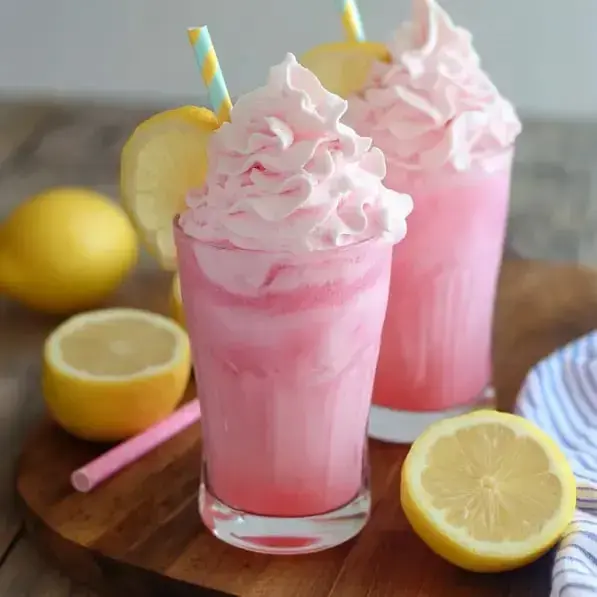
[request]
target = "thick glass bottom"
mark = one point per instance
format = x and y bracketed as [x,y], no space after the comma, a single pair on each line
[284,536]
[403,427]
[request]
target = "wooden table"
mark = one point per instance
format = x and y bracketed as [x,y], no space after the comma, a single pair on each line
[540,307]
[47,144]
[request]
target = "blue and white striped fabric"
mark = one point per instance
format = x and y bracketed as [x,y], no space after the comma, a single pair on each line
[560,396]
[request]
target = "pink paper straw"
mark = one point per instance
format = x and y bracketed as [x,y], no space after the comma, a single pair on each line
[114,460]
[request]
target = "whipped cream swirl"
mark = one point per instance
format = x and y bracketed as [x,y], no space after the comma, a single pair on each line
[286,175]
[434,106]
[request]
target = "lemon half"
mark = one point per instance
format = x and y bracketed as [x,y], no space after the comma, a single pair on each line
[165,157]
[487,491]
[343,67]
[112,373]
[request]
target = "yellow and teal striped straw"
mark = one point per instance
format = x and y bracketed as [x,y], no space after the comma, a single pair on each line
[211,71]
[351,20]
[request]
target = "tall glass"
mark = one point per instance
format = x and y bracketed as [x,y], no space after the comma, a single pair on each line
[284,348]
[435,358]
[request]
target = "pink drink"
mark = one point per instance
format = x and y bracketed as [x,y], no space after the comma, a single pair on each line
[448,137]
[285,256]
[285,350]
[436,347]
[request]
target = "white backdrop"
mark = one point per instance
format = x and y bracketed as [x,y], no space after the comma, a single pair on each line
[541,53]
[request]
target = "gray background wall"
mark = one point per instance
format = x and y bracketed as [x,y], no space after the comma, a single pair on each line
[541,53]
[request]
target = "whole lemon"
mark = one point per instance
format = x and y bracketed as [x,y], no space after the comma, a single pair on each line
[65,249]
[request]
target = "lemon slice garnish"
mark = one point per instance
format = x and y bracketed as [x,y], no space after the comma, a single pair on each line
[165,157]
[343,67]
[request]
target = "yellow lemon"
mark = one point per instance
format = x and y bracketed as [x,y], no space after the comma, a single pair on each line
[111,373]
[164,158]
[176,301]
[65,249]
[343,67]
[487,491]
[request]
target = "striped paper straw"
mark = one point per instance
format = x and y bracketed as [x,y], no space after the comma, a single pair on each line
[211,71]
[351,20]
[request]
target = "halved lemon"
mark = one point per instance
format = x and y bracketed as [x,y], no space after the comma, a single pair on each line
[343,67]
[164,158]
[487,491]
[112,373]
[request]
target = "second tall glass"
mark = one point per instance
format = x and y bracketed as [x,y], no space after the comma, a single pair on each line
[448,137]
[435,358]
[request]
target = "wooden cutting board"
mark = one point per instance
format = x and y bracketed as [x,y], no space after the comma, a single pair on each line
[140,534]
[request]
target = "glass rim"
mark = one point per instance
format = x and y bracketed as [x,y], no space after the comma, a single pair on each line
[261,252]
[506,152]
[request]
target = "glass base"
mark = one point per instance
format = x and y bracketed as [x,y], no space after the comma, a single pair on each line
[284,536]
[403,427]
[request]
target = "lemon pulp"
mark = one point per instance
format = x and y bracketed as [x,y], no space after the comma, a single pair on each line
[117,348]
[488,490]
[499,488]
[111,373]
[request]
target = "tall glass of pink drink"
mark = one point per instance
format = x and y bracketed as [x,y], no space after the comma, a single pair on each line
[285,349]
[284,262]
[435,358]
[448,137]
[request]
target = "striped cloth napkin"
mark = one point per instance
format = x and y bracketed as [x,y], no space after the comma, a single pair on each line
[560,396]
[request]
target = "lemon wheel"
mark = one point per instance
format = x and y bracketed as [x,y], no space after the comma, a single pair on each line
[343,67]
[165,157]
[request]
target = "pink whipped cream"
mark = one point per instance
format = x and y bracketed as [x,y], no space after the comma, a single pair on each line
[434,106]
[286,175]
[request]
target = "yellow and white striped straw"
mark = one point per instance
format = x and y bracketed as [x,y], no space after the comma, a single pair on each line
[351,20]
[211,72]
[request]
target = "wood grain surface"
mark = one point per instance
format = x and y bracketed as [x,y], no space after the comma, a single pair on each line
[140,533]
[47,143]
